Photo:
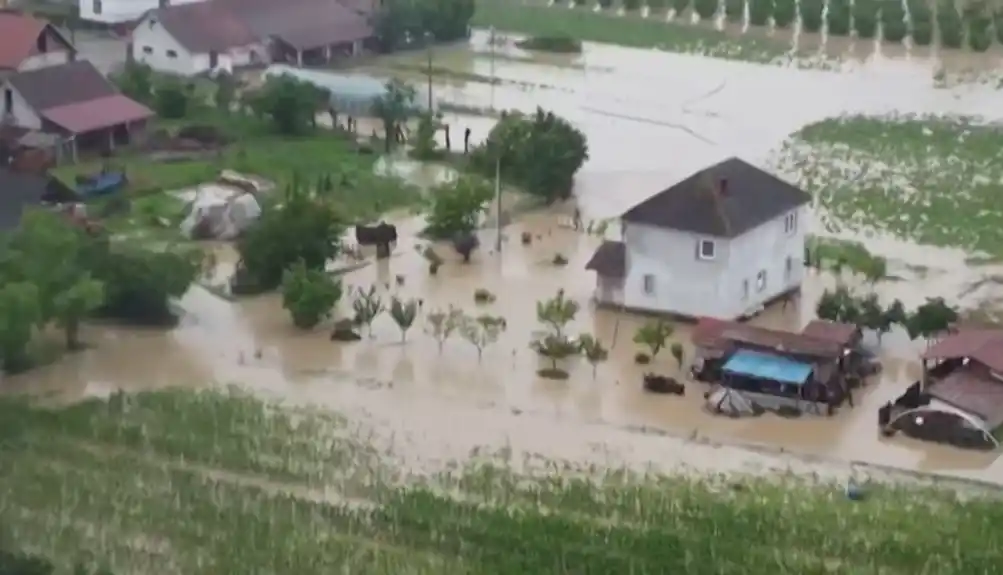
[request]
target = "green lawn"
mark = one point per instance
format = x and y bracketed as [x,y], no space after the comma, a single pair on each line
[359,192]
[934,180]
[175,482]
[535,19]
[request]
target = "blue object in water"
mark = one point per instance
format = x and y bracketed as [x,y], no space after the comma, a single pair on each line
[768,366]
[101,185]
[854,492]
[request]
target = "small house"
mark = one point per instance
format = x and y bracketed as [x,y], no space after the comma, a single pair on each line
[722,243]
[27,43]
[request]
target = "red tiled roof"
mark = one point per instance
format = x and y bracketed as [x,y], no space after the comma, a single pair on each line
[714,333]
[841,333]
[83,117]
[974,392]
[981,344]
[18,34]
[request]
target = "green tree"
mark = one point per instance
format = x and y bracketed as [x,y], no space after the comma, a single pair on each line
[653,335]
[226,91]
[593,350]
[309,295]
[136,82]
[481,331]
[20,314]
[872,314]
[557,312]
[139,283]
[368,305]
[540,153]
[424,145]
[456,207]
[441,324]
[393,108]
[403,312]
[395,21]
[290,105]
[875,269]
[76,302]
[555,348]
[171,99]
[301,228]
[933,317]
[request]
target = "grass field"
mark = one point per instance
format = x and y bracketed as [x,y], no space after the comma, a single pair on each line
[176,482]
[537,19]
[933,180]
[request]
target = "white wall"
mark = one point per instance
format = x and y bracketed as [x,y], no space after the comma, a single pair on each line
[151,43]
[119,11]
[687,285]
[683,284]
[765,248]
[23,114]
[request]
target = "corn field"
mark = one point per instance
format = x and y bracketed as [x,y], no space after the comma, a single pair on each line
[192,483]
[971,24]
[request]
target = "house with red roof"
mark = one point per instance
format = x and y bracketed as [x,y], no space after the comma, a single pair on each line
[27,43]
[75,102]
[203,37]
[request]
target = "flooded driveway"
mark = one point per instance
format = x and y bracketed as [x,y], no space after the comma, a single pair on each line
[650,118]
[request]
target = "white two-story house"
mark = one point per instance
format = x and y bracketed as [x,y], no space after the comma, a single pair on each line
[722,243]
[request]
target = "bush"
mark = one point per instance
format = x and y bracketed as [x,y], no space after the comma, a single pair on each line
[998,24]
[309,295]
[641,358]
[604,4]
[171,100]
[979,34]
[811,15]
[922,32]
[705,8]
[734,10]
[950,24]
[893,21]
[760,12]
[680,6]
[865,18]
[657,5]
[556,44]
[838,17]
[784,12]
[631,5]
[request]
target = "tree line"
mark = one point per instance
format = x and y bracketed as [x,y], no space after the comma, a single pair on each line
[928,320]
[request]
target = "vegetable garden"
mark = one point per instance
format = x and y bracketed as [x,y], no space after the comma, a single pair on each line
[930,179]
[210,482]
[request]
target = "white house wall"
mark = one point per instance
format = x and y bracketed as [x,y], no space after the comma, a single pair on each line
[23,114]
[687,285]
[764,248]
[683,284]
[35,61]
[120,11]
[151,43]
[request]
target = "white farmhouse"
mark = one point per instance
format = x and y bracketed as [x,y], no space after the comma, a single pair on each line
[722,243]
[200,37]
[121,11]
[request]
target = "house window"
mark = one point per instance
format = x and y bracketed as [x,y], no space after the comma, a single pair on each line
[761,281]
[98,8]
[172,54]
[789,267]
[745,289]
[706,249]
[147,50]
[791,222]
[649,284]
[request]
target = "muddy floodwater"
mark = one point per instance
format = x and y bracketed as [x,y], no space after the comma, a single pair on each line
[650,118]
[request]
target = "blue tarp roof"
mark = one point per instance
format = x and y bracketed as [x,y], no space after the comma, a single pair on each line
[768,366]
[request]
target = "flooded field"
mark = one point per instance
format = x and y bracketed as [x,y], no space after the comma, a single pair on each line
[650,118]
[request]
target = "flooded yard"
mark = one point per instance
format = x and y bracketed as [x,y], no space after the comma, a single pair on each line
[651,118]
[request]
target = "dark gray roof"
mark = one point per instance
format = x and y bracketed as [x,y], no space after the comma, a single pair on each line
[610,260]
[726,200]
[203,27]
[20,191]
[54,86]
[303,24]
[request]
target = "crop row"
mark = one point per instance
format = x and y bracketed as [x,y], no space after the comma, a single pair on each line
[972,26]
[63,493]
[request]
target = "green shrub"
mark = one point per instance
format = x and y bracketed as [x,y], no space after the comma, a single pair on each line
[629,6]
[838,17]
[605,4]
[680,6]
[979,34]
[734,10]
[784,12]
[811,15]
[922,32]
[950,24]
[657,5]
[998,24]
[865,18]
[760,12]
[705,8]
[893,21]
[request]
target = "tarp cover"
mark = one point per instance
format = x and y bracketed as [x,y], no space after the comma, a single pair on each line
[216,216]
[768,366]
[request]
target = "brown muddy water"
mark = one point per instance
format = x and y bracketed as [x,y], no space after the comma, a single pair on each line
[650,118]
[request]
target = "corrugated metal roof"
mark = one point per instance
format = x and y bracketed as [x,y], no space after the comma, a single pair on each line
[984,345]
[106,112]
